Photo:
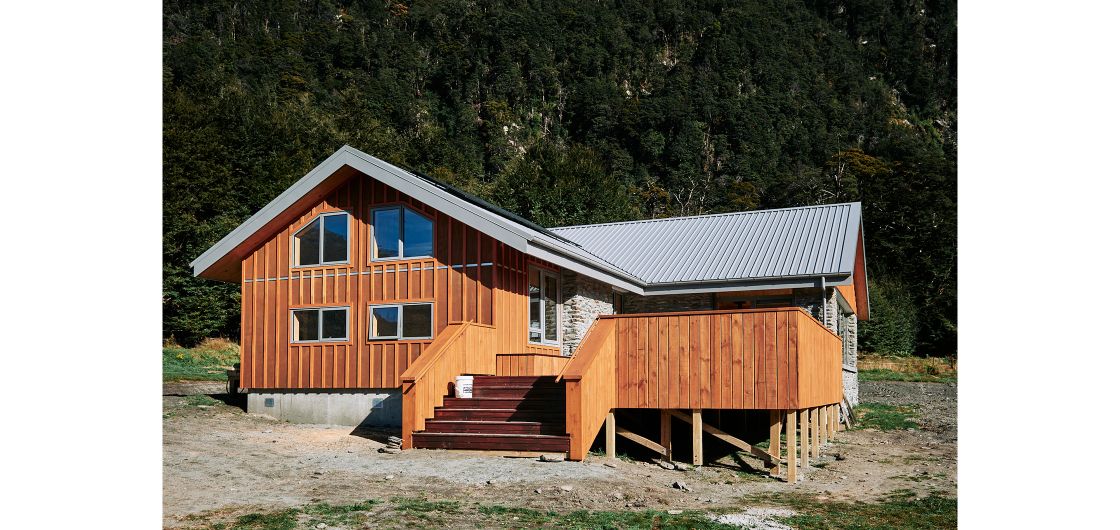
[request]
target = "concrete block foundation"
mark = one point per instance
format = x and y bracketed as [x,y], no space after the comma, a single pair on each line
[380,407]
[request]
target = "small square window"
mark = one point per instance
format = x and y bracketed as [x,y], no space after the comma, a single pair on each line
[383,322]
[400,321]
[321,324]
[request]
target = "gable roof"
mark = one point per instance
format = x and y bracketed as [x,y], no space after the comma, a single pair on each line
[472,211]
[791,247]
[810,241]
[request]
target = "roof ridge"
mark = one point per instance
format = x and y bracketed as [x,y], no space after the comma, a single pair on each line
[708,215]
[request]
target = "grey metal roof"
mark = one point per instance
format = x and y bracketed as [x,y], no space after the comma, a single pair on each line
[791,247]
[809,241]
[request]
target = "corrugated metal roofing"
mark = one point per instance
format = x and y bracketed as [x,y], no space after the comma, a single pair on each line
[803,241]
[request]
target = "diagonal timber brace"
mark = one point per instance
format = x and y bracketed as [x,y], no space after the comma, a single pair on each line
[742,445]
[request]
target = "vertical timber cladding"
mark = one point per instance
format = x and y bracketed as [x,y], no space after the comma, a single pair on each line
[470,277]
[743,359]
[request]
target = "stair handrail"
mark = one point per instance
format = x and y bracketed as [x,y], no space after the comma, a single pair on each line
[589,386]
[460,348]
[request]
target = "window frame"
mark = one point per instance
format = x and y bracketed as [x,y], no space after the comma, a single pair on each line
[400,321]
[322,241]
[293,325]
[400,207]
[559,307]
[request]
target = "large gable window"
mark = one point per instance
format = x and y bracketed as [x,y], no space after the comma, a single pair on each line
[321,324]
[544,302]
[400,232]
[324,241]
[400,321]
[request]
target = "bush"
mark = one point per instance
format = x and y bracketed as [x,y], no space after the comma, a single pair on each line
[893,328]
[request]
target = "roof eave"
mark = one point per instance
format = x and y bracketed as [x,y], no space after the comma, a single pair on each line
[748,284]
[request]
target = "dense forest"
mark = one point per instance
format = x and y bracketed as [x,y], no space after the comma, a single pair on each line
[577,112]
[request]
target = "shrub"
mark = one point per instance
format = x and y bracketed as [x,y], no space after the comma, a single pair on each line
[893,328]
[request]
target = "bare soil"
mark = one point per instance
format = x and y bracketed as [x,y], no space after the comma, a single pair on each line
[219,462]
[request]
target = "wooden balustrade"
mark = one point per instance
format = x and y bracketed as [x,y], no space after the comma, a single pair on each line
[525,364]
[762,359]
[819,364]
[589,386]
[732,359]
[461,348]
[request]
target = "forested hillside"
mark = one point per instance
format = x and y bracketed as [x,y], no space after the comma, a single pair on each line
[577,112]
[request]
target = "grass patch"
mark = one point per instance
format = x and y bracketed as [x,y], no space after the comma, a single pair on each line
[341,514]
[201,399]
[884,417]
[880,374]
[900,509]
[206,362]
[284,520]
[912,369]
[529,518]
[423,513]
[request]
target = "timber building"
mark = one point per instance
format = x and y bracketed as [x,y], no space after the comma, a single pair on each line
[366,289]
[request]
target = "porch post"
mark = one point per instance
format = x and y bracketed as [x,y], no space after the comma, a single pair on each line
[775,442]
[667,435]
[610,435]
[791,446]
[697,438]
[804,438]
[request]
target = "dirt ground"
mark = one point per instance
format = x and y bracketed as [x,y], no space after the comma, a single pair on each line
[218,460]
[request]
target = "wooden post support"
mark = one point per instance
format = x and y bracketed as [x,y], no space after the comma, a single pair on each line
[740,444]
[697,438]
[775,442]
[826,429]
[610,435]
[824,424]
[836,419]
[791,446]
[815,427]
[804,437]
[667,435]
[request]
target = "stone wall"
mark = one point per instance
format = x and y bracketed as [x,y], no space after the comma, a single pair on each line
[583,299]
[841,323]
[810,299]
[633,303]
[848,331]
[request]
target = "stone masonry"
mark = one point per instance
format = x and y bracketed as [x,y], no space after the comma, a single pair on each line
[583,300]
[668,303]
[840,323]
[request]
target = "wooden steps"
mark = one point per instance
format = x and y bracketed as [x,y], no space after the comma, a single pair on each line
[506,413]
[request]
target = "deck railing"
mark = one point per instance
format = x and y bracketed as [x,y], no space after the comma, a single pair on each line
[763,359]
[589,382]
[527,364]
[461,348]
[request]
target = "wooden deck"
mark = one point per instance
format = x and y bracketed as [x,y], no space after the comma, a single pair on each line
[781,360]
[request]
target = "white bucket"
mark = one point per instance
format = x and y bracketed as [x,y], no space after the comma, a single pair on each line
[464,386]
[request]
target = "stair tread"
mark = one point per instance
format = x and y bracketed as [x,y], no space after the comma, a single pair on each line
[492,435]
[502,398]
[496,422]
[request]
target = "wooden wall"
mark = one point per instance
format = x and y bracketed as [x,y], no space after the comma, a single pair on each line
[739,359]
[472,277]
